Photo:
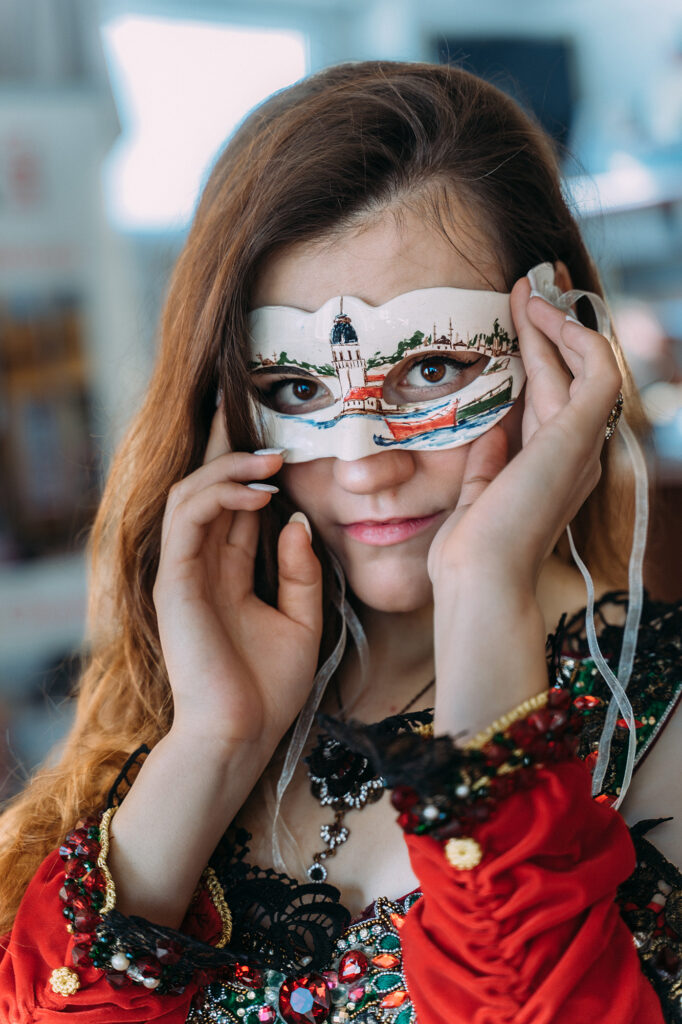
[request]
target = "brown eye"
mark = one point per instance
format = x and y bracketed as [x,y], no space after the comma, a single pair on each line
[303,391]
[433,370]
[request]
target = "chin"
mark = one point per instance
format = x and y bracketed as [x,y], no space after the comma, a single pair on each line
[391,590]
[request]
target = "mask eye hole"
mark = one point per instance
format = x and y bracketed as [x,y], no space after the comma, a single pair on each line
[426,377]
[292,392]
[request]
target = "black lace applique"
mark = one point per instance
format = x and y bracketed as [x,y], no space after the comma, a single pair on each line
[297,922]
[651,905]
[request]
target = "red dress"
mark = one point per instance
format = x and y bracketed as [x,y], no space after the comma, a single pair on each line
[531,934]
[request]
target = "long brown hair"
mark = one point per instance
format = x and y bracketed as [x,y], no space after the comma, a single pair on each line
[312,160]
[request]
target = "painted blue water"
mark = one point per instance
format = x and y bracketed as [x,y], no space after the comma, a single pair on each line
[444,435]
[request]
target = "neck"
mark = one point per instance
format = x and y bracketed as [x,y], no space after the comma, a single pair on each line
[400,663]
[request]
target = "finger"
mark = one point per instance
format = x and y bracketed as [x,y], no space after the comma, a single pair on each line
[487,456]
[549,378]
[244,533]
[239,466]
[300,578]
[189,521]
[590,356]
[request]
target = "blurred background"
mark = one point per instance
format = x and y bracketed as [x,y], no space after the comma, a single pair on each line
[111,113]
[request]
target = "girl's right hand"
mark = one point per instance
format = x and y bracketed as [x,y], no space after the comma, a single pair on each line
[239,669]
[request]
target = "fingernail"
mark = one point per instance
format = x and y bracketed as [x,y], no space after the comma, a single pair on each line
[301,517]
[270,451]
[572,320]
[264,487]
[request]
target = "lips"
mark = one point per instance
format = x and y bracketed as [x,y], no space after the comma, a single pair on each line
[381,533]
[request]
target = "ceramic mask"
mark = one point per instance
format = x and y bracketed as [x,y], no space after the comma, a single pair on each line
[428,369]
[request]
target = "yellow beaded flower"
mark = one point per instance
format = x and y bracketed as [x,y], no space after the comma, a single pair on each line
[464,854]
[64,981]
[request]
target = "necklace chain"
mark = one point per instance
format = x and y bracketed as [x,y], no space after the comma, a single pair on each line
[342,780]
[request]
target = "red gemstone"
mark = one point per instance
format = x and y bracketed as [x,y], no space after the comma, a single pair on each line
[304,999]
[394,999]
[81,955]
[353,965]
[79,904]
[94,881]
[117,979]
[586,700]
[397,921]
[403,797]
[75,868]
[85,921]
[168,953]
[74,838]
[266,1014]
[149,966]
[248,975]
[386,960]
[88,849]
[540,719]
[68,891]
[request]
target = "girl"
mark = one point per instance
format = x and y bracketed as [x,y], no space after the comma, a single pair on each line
[404,430]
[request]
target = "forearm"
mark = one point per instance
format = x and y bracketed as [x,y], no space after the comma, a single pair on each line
[489,650]
[162,836]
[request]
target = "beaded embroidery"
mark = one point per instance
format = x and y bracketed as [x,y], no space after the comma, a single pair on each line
[364,982]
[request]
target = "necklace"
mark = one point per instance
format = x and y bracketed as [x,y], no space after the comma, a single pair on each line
[342,780]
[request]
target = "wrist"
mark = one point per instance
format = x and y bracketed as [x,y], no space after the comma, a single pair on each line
[490,653]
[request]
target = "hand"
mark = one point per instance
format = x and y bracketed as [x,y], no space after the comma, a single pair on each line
[489,630]
[509,516]
[239,669]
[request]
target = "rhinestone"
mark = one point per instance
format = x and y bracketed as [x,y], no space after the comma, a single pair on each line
[430,813]
[317,872]
[304,999]
[394,999]
[462,790]
[353,965]
[364,933]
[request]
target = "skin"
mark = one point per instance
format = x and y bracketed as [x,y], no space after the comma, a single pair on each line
[430,605]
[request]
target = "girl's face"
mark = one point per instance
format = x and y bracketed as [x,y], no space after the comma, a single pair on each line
[380,513]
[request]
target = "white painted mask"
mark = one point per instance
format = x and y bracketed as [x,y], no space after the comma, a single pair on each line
[429,369]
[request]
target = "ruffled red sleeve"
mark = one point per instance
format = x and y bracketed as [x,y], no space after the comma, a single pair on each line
[39,944]
[532,934]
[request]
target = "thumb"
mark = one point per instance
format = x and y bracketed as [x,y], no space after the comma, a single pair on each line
[300,575]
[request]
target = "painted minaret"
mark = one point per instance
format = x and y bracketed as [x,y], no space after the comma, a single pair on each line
[346,358]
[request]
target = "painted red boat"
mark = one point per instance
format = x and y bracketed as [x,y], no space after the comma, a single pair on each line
[402,429]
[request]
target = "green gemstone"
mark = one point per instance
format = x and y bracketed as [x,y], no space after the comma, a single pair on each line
[389,942]
[405,1016]
[383,982]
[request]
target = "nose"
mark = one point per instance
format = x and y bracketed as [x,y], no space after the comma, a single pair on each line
[374,473]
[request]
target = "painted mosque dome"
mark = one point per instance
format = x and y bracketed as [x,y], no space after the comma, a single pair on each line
[342,331]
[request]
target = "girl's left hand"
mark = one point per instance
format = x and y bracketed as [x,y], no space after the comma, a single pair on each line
[509,516]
